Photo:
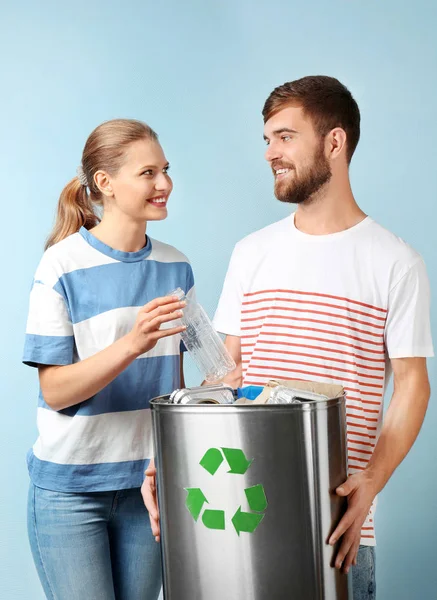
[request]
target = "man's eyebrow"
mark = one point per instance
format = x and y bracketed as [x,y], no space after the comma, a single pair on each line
[281,130]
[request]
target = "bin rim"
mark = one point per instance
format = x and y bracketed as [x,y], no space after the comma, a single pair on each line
[162,403]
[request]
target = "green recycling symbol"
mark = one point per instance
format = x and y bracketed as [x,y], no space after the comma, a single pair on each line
[256,498]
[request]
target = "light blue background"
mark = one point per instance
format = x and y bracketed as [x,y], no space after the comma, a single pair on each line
[199,73]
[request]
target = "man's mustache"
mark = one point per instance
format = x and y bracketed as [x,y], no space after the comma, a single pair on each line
[281,165]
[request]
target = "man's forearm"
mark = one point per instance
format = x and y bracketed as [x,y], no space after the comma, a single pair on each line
[233,345]
[402,424]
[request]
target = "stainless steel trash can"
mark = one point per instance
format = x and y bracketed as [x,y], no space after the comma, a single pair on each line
[247,499]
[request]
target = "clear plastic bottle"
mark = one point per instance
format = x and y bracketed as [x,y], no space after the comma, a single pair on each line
[202,341]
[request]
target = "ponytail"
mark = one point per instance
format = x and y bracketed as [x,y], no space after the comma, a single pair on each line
[75,210]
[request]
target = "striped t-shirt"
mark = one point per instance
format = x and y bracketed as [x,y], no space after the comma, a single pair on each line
[85,296]
[332,308]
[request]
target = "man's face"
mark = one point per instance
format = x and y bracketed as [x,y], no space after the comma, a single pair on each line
[296,155]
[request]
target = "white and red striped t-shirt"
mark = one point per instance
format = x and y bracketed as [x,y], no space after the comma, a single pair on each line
[331,308]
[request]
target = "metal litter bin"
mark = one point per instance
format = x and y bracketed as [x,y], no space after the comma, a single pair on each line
[247,499]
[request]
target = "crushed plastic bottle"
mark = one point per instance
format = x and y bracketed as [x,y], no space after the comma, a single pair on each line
[202,341]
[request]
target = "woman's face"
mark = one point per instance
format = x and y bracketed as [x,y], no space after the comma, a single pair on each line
[142,186]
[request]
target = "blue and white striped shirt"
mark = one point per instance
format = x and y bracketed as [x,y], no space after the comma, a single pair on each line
[86,296]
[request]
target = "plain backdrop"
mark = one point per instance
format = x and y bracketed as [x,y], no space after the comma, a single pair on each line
[199,72]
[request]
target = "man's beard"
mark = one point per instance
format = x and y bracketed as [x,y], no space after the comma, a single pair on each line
[304,188]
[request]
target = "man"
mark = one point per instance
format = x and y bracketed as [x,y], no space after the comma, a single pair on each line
[327,294]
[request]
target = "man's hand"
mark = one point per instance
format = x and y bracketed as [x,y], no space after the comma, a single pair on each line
[148,491]
[402,423]
[360,491]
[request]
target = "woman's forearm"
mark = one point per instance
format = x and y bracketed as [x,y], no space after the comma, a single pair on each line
[65,386]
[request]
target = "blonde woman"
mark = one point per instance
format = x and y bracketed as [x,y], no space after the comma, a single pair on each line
[100,333]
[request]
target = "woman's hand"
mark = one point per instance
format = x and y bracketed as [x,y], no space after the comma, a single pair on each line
[148,491]
[146,331]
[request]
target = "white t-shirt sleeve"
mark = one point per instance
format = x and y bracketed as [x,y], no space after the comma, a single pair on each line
[408,328]
[227,318]
[49,332]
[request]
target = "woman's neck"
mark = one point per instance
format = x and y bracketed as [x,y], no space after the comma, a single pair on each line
[121,234]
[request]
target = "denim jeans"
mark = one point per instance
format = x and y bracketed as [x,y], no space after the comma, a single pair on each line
[363,574]
[96,546]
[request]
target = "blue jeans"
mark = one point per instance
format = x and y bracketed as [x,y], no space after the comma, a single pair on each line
[96,546]
[363,574]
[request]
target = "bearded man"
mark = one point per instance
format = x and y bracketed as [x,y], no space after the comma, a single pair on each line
[327,294]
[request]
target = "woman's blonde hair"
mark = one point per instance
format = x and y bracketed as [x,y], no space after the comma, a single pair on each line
[105,150]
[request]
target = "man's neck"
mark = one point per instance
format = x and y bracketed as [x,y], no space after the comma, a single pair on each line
[334,210]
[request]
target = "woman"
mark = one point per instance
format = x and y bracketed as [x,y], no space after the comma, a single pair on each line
[100,333]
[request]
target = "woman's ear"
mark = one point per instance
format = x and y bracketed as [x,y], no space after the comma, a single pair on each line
[103,182]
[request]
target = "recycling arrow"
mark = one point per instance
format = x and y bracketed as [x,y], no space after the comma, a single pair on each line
[195,501]
[214,519]
[211,460]
[244,521]
[236,460]
[256,497]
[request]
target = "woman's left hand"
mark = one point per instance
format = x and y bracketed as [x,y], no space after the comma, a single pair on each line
[148,491]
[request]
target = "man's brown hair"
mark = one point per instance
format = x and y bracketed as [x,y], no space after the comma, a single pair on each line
[325,100]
